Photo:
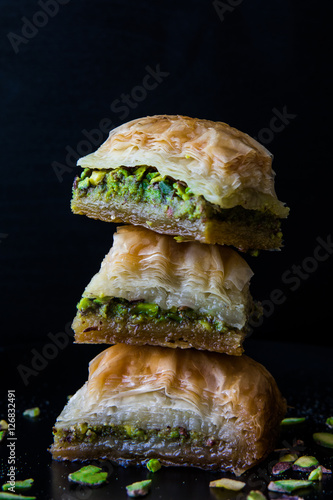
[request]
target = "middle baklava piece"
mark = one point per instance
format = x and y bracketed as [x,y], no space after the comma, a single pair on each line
[153,290]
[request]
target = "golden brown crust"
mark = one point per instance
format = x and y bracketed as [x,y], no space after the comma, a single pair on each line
[232,400]
[198,294]
[93,329]
[217,456]
[227,167]
[242,234]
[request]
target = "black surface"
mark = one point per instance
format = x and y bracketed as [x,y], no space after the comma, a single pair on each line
[304,376]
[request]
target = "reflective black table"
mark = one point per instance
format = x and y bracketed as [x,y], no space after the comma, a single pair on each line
[45,377]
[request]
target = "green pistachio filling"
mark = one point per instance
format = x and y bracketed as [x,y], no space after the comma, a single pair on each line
[140,312]
[146,184]
[84,433]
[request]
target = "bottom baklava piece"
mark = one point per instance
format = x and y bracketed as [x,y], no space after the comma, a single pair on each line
[183,407]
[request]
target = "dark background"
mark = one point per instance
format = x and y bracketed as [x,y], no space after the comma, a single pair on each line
[241,64]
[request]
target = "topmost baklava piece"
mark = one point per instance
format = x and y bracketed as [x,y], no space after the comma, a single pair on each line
[194,179]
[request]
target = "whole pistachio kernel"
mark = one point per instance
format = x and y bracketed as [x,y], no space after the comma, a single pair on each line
[293,421]
[306,461]
[324,439]
[139,489]
[227,484]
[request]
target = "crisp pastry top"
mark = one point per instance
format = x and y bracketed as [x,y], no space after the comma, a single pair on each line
[219,162]
[131,382]
[144,265]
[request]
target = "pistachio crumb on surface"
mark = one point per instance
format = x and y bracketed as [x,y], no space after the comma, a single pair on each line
[281,467]
[228,484]
[90,475]
[255,495]
[139,489]
[293,421]
[289,457]
[32,412]
[5,495]
[316,474]
[288,485]
[306,461]
[324,439]
[26,484]
[329,422]
[3,425]
[153,465]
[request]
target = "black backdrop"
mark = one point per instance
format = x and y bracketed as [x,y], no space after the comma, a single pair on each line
[70,67]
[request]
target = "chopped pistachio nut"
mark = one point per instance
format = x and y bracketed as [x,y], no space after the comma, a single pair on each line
[255,495]
[288,485]
[96,177]
[90,475]
[3,425]
[228,484]
[306,461]
[293,421]
[84,184]
[153,465]
[19,485]
[5,495]
[324,439]
[139,489]
[316,474]
[329,422]
[281,467]
[145,308]
[254,253]
[289,457]
[32,412]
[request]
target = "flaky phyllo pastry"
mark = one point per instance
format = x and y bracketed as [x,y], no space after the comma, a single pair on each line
[152,290]
[194,179]
[184,407]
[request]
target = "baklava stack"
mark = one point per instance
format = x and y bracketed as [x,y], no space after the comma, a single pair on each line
[174,299]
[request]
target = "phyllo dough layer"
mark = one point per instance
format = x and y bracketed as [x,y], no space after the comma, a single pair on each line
[152,290]
[184,407]
[195,179]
